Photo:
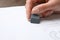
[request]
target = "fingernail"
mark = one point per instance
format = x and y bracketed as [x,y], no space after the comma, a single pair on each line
[35,10]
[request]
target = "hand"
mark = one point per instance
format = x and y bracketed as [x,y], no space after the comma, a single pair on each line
[44,9]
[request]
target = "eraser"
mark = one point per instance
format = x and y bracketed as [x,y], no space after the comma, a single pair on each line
[35,18]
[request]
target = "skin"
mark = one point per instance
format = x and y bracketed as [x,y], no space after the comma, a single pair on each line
[43,9]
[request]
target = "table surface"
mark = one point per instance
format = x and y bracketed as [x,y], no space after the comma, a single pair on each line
[14,26]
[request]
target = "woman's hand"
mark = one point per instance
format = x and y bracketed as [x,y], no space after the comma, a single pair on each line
[44,9]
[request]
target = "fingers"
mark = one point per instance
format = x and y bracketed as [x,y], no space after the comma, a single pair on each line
[29,6]
[47,13]
[43,7]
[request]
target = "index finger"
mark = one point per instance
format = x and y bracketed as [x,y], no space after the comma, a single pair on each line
[29,6]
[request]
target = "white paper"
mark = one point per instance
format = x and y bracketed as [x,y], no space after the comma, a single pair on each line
[14,26]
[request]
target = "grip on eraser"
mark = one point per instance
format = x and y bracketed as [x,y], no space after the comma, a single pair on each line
[35,18]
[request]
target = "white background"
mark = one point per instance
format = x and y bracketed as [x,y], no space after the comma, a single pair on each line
[14,26]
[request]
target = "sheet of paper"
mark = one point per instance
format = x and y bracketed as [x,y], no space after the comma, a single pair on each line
[14,26]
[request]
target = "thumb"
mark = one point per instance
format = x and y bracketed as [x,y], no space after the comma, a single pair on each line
[43,7]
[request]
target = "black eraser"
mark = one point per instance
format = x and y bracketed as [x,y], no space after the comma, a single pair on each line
[35,18]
